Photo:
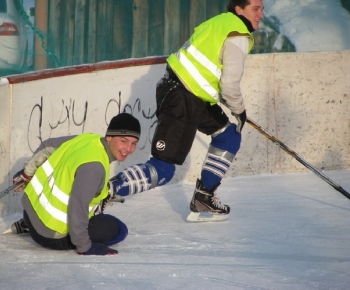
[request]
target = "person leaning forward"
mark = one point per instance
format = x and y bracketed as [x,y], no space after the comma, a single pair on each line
[67,182]
[205,71]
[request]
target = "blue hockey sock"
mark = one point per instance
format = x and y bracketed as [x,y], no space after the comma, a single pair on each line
[141,177]
[221,153]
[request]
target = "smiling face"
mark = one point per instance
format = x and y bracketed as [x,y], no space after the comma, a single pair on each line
[122,146]
[253,12]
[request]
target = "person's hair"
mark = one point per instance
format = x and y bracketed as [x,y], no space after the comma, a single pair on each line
[233,3]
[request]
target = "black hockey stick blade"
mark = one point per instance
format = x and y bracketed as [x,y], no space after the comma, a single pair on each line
[300,159]
[10,189]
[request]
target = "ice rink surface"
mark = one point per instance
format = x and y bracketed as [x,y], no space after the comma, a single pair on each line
[288,231]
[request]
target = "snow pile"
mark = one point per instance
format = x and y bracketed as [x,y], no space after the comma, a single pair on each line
[312,25]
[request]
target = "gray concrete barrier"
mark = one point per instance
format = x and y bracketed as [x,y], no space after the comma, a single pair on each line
[301,99]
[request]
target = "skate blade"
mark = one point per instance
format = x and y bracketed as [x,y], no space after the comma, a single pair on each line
[118,198]
[8,231]
[206,217]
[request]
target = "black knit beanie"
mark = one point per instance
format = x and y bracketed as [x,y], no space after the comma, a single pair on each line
[124,124]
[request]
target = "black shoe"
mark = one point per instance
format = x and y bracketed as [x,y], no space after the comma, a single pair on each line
[19,227]
[112,197]
[204,200]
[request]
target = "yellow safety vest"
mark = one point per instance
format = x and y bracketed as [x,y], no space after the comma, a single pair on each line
[50,188]
[197,62]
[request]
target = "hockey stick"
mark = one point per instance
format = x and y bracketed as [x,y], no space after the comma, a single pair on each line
[11,189]
[297,157]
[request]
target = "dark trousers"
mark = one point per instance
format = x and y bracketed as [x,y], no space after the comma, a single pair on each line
[103,228]
[180,114]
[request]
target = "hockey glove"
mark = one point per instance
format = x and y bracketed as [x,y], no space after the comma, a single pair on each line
[241,118]
[20,176]
[99,250]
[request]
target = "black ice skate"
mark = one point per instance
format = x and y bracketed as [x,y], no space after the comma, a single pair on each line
[206,205]
[112,197]
[18,227]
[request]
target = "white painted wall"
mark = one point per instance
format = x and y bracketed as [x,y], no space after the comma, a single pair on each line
[302,99]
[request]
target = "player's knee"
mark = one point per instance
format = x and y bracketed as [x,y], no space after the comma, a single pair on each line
[227,140]
[162,171]
[121,234]
[107,229]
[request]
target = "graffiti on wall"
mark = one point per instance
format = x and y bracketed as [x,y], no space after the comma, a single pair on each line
[71,117]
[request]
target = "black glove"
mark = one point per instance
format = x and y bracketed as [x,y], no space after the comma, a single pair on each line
[241,118]
[20,176]
[99,250]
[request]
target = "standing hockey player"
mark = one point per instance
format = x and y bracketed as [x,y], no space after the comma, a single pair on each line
[67,184]
[206,70]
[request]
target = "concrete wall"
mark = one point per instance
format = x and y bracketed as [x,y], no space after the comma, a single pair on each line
[302,99]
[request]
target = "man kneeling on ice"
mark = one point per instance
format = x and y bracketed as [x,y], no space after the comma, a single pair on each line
[66,186]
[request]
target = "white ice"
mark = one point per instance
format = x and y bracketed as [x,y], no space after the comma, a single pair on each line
[288,231]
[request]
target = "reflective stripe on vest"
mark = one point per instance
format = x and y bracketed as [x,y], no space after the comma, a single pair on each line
[202,82]
[63,197]
[49,189]
[197,62]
